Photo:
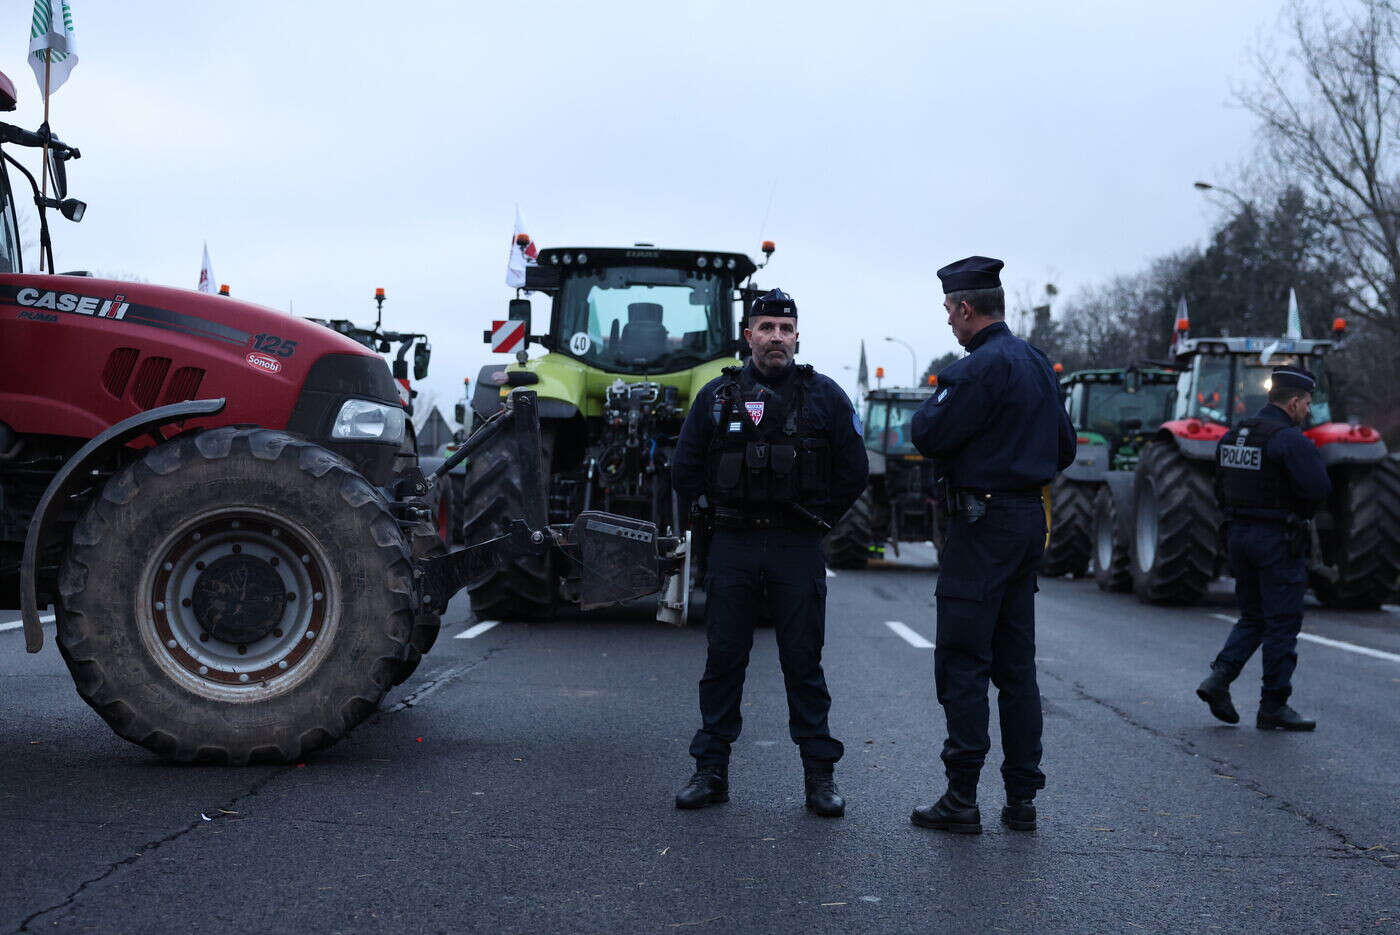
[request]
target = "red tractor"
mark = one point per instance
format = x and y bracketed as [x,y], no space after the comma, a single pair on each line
[1160,522]
[223,506]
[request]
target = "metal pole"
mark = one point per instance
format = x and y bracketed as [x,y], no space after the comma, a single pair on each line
[913,361]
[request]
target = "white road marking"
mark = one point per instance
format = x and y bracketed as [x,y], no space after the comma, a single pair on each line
[830,573]
[16,624]
[1350,647]
[908,635]
[477,630]
[1335,644]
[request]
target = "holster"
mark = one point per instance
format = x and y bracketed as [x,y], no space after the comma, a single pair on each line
[1300,537]
[702,532]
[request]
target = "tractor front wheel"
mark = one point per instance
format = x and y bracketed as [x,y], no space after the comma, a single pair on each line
[235,596]
[848,544]
[1071,519]
[1363,547]
[1112,548]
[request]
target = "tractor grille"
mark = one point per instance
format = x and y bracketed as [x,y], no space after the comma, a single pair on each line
[184,384]
[115,375]
[150,376]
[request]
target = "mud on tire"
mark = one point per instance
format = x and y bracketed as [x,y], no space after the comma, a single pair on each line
[848,543]
[1363,547]
[1176,519]
[236,596]
[1071,530]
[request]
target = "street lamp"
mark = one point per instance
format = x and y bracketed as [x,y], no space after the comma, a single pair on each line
[1208,187]
[913,360]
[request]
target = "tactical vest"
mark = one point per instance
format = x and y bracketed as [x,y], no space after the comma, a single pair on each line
[1252,484]
[765,448]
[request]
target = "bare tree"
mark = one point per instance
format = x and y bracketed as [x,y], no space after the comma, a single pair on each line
[1330,115]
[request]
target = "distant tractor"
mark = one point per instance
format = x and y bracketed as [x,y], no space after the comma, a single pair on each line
[633,335]
[898,504]
[1158,526]
[1114,413]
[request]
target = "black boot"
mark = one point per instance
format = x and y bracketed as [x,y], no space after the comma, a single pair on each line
[1018,814]
[1281,717]
[822,795]
[709,786]
[1215,691]
[956,812]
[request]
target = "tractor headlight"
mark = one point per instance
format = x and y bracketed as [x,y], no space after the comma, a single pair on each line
[361,419]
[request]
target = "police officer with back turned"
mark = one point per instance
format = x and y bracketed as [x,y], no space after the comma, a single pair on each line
[997,432]
[774,449]
[1270,480]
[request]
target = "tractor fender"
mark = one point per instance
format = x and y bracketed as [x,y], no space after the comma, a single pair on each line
[1342,443]
[1194,439]
[1089,465]
[556,408]
[486,395]
[74,473]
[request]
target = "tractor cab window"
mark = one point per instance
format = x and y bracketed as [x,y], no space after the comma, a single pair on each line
[899,430]
[1206,388]
[876,413]
[643,319]
[1112,410]
[1254,377]
[9,229]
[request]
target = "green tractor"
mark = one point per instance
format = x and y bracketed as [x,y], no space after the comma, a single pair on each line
[633,335]
[1114,413]
[898,504]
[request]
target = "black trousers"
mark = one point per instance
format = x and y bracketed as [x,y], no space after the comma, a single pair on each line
[1270,583]
[782,573]
[986,630]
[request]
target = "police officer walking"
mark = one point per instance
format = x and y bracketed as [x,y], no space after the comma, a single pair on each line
[1270,481]
[997,432]
[774,449]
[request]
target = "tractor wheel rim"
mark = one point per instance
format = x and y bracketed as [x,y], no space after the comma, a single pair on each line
[238,605]
[1103,541]
[1147,529]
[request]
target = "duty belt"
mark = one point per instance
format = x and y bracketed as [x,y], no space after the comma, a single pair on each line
[972,502]
[725,518]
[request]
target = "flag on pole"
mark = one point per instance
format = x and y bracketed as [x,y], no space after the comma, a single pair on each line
[1295,320]
[51,41]
[523,253]
[206,272]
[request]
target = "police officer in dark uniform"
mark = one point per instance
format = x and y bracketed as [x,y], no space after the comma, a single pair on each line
[1270,481]
[998,433]
[772,450]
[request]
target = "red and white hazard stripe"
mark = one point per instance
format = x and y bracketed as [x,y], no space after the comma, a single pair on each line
[506,336]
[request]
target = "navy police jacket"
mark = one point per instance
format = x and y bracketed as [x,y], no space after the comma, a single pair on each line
[997,421]
[1307,480]
[829,409]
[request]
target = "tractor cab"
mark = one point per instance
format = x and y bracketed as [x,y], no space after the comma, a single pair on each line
[1225,380]
[1118,409]
[889,414]
[640,311]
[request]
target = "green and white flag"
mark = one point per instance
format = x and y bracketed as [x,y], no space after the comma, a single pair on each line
[51,41]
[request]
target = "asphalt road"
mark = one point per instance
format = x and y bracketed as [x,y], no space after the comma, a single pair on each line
[523,782]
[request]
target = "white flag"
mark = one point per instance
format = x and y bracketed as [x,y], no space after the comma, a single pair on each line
[206,272]
[1295,320]
[51,41]
[521,254]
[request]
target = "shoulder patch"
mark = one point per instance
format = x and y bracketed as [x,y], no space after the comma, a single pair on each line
[856,424]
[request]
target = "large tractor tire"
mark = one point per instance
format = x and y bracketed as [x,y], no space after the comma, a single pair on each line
[1176,519]
[425,542]
[523,588]
[848,543]
[1364,547]
[1109,563]
[1072,522]
[236,596]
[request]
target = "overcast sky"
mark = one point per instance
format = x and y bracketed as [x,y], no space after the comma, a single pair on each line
[327,148]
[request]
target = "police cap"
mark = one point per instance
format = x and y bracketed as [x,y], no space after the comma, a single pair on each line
[774,304]
[1295,378]
[975,272]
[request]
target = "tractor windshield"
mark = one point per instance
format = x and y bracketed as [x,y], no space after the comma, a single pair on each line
[1111,408]
[644,319]
[1228,388]
[9,228]
[887,426]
